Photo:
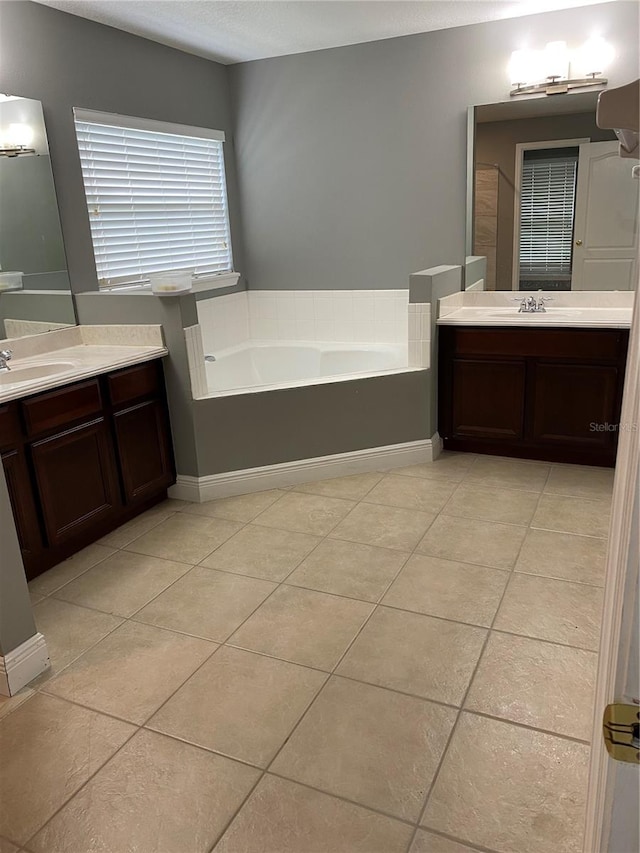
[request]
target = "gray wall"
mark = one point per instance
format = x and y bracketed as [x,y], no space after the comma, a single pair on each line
[173,314]
[496,143]
[352,161]
[251,430]
[66,61]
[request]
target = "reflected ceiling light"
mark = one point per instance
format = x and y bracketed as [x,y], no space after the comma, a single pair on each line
[548,71]
[16,139]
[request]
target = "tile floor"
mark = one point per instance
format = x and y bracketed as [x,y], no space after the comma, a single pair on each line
[381,663]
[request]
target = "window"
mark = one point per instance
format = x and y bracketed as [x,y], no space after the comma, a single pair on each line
[156,197]
[547,204]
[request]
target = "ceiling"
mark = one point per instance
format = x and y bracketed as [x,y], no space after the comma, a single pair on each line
[232,31]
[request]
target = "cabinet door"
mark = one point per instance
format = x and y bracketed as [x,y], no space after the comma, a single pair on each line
[575,405]
[77,481]
[144,452]
[22,504]
[488,399]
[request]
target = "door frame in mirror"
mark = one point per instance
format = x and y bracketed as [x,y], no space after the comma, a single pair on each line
[521,147]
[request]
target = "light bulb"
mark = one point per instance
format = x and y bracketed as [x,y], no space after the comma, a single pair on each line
[20,135]
[595,55]
[556,60]
[524,67]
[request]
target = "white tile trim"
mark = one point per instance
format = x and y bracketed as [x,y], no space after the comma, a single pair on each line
[200,489]
[23,664]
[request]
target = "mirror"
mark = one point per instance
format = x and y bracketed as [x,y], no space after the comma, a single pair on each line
[35,293]
[552,205]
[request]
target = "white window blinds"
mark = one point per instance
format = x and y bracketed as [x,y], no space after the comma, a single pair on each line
[156,196]
[547,202]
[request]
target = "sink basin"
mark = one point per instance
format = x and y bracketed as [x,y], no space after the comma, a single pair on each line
[549,314]
[31,372]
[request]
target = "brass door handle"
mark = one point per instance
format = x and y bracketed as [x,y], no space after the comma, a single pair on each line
[578,242]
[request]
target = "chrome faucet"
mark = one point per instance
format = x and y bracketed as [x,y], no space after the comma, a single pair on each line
[5,356]
[531,305]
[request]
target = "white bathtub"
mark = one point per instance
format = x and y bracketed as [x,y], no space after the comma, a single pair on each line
[264,365]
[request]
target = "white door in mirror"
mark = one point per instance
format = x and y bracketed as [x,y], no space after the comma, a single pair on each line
[606,221]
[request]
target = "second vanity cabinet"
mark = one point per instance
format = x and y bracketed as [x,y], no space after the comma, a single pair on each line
[539,393]
[81,459]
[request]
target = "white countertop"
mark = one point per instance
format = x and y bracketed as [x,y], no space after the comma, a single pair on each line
[575,318]
[55,359]
[566,309]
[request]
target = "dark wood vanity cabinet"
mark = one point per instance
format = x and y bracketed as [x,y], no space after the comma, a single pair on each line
[539,393]
[82,459]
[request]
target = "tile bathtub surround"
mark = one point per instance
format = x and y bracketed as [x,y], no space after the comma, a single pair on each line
[373,664]
[365,316]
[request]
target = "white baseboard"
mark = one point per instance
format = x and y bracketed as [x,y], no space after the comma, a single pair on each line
[200,489]
[23,664]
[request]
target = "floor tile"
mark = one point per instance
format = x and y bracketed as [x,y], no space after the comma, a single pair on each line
[508,473]
[352,487]
[510,789]
[535,683]
[563,555]
[61,574]
[384,526]
[185,538]
[313,514]
[448,589]
[262,552]
[49,749]
[349,568]
[554,610]
[581,481]
[156,794]
[412,493]
[143,523]
[236,508]
[429,842]
[573,515]
[241,704]
[9,704]
[373,746]
[468,540]
[132,671]
[123,583]
[510,506]
[303,626]
[206,603]
[448,466]
[282,817]
[416,654]
[70,630]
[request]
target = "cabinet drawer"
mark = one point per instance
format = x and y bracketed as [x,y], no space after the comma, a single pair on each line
[9,426]
[579,344]
[62,407]
[134,383]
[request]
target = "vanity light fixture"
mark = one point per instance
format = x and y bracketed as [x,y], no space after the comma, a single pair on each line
[548,71]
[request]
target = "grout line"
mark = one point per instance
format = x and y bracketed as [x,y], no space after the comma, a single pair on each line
[469,683]
[332,673]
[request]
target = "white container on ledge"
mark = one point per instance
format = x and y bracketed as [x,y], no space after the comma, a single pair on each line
[172,282]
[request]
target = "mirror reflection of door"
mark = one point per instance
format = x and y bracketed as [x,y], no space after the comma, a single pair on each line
[606,220]
[580,231]
[576,215]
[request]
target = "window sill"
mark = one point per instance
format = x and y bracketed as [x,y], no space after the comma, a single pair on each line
[199,285]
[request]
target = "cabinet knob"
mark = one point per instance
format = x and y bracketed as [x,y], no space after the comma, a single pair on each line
[578,242]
